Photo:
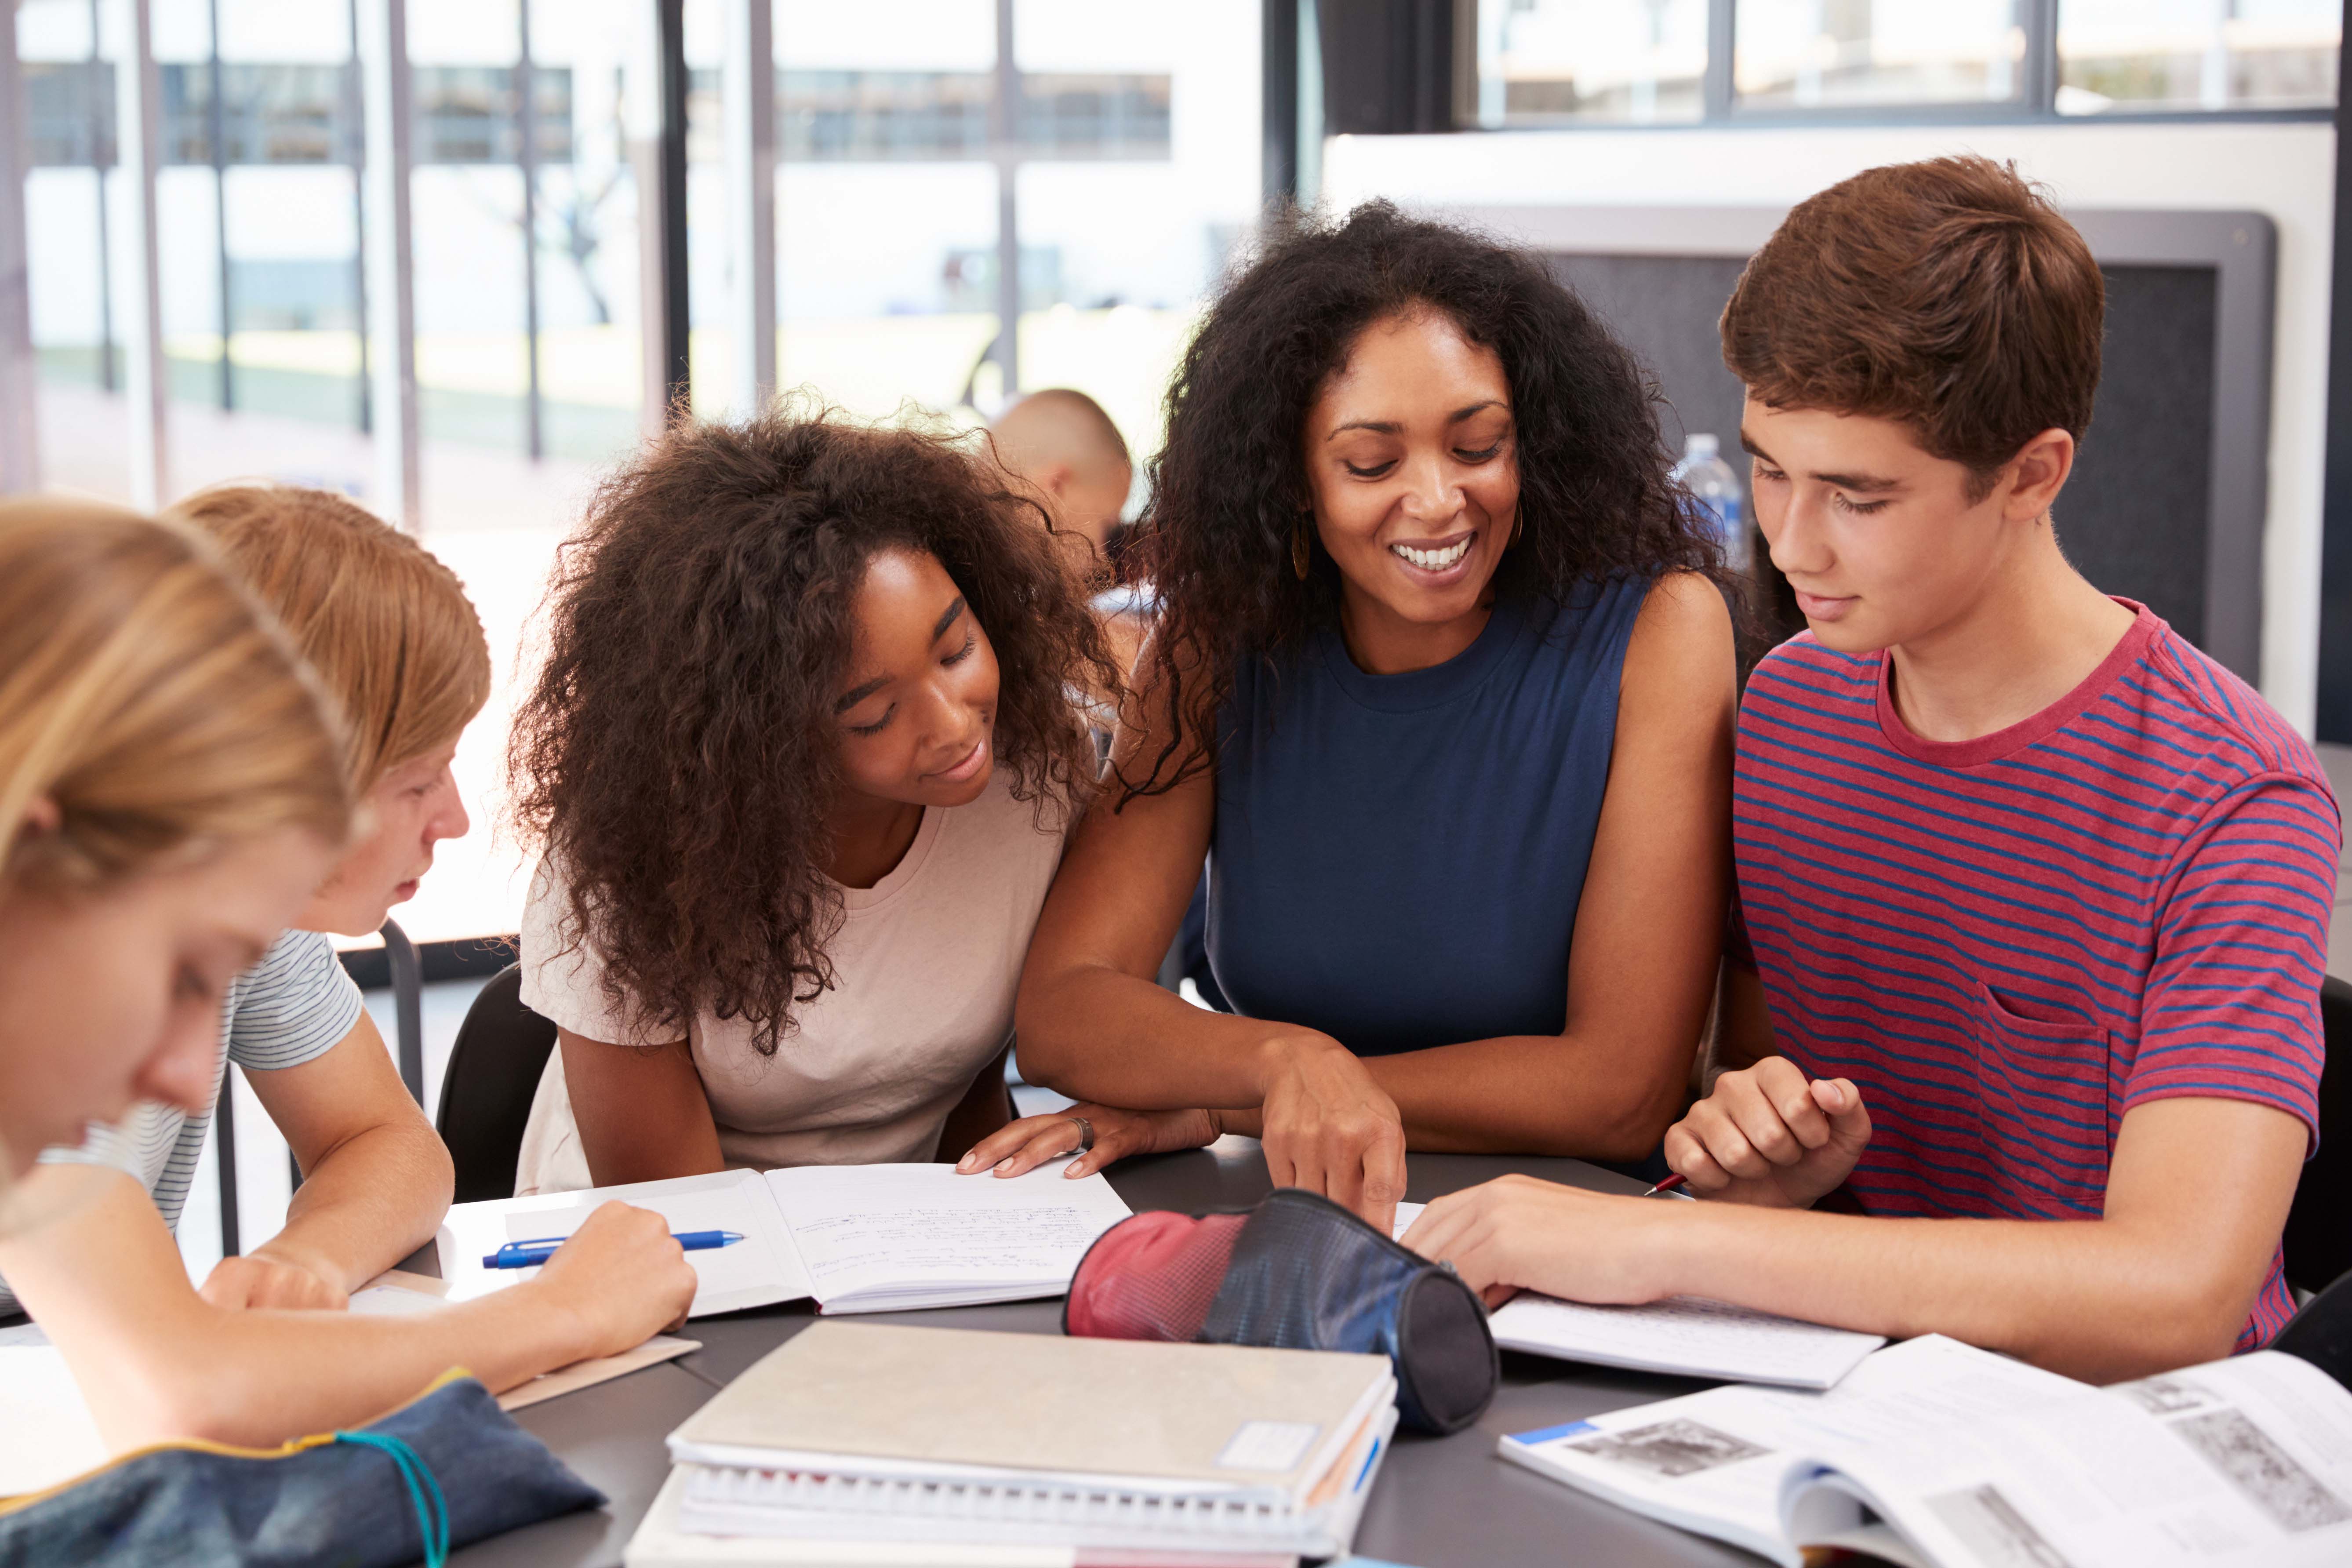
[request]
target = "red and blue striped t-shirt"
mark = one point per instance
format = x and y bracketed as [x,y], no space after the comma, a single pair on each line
[2009,942]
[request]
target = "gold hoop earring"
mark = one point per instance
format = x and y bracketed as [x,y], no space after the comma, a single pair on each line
[1302,554]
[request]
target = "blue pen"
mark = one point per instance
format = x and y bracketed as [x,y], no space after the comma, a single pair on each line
[532,1254]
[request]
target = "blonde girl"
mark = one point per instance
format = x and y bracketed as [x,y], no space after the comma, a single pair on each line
[261,1351]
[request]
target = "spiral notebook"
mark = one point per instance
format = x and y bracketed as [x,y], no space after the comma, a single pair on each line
[867,1432]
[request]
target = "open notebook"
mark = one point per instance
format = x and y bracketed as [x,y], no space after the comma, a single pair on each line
[1936,1454]
[1683,1336]
[856,1238]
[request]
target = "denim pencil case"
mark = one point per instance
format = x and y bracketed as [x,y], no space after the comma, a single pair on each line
[1300,1272]
[446,1468]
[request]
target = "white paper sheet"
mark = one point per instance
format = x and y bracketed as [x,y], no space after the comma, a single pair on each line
[877,1237]
[1686,1336]
[760,1269]
[46,1435]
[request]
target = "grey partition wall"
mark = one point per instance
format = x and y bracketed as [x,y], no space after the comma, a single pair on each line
[2167,501]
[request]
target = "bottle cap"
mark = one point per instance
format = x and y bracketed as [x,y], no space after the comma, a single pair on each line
[1701,446]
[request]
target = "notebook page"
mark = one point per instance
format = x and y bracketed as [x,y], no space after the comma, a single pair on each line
[759,1269]
[872,1232]
[1687,1336]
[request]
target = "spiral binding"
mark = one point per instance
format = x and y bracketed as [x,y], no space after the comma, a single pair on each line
[985,1503]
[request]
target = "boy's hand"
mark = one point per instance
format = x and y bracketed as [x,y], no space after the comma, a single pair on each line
[1517,1233]
[1769,1136]
[258,1281]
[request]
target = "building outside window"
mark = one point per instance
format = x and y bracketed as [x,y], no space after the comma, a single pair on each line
[1554,62]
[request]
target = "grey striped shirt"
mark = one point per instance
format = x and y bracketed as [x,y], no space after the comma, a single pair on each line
[294,1005]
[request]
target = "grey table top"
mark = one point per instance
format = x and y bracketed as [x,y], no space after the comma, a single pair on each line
[1440,1502]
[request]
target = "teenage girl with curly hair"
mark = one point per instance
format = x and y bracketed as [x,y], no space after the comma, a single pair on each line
[1442,686]
[800,762]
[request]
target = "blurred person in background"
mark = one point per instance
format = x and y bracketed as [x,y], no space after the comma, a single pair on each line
[1060,445]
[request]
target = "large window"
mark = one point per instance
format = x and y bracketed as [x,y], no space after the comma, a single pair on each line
[1810,54]
[1121,162]
[2197,54]
[1127,164]
[1547,62]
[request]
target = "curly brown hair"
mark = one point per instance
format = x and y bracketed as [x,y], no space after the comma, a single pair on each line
[1231,485]
[676,758]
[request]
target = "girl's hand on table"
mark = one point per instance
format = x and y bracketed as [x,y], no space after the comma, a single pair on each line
[1021,1146]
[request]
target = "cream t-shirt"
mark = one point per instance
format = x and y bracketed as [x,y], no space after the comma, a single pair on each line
[926,963]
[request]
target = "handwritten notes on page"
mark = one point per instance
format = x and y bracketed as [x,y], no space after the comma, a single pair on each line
[896,1237]
[760,1269]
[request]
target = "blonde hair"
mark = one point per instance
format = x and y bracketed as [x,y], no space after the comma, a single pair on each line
[386,625]
[147,698]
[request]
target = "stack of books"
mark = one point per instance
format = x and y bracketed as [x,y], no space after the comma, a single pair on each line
[882,1445]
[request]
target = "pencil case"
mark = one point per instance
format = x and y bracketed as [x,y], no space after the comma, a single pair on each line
[446,1468]
[1299,1272]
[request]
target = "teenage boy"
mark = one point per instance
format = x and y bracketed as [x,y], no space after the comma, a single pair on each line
[2022,1029]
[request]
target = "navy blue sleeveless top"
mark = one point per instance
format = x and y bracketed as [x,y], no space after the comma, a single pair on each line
[1398,859]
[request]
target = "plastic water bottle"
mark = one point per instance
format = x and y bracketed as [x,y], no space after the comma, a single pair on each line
[1710,479]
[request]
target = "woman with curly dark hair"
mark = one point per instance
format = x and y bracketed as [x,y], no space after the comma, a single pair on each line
[800,762]
[1442,686]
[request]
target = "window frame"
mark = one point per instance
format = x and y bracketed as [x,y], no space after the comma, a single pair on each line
[2035,104]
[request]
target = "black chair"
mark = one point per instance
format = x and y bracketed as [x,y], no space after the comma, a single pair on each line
[2318,1240]
[486,1093]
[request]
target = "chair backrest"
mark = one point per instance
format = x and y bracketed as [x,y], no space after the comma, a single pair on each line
[2318,1239]
[486,1094]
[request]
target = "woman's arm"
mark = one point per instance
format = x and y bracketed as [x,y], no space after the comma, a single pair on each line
[156,1362]
[641,1110]
[1647,943]
[375,1179]
[1649,928]
[1095,1025]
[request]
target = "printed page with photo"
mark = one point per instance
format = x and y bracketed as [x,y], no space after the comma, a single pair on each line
[2228,1465]
[1720,1463]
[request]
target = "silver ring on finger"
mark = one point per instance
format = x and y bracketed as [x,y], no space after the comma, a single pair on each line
[1086,1134]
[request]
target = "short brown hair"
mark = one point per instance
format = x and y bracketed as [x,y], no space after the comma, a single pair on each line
[1947,294]
[386,625]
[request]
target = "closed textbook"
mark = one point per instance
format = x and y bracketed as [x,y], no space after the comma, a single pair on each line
[888,1432]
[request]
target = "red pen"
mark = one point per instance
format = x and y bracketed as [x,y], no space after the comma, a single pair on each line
[1663,1188]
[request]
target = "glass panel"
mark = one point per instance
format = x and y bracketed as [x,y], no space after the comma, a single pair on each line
[1143,122]
[1806,54]
[1546,61]
[2197,54]
[84,433]
[491,512]
[886,204]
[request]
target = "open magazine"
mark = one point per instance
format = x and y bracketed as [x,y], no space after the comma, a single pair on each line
[1937,1455]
